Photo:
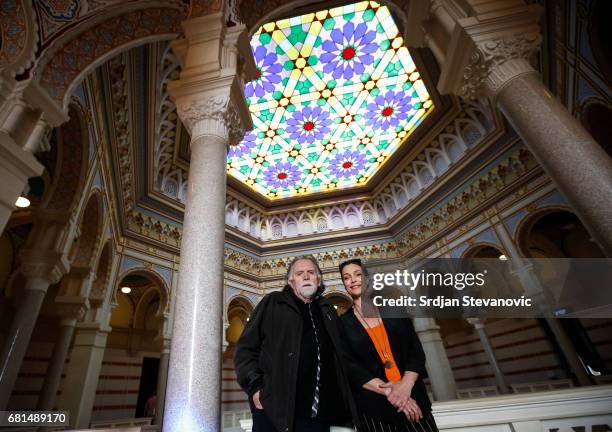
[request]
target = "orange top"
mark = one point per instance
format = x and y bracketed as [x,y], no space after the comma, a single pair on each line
[378,334]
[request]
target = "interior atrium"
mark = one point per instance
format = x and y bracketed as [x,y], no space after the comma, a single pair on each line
[163,161]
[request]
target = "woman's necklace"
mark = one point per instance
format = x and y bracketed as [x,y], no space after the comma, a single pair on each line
[387,363]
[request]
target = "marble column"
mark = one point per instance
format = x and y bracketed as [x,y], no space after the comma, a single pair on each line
[438,367]
[493,51]
[213,109]
[488,348]
[197,334]
[18,337]
[577,164]
[82,373]
[40,272]
[162,379]
[70,311]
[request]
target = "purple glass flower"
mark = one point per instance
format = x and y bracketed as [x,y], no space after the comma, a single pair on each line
[347,163]
[349,51]
[388,110]
[282,175]
[308,124]
[268,73]
[244,147]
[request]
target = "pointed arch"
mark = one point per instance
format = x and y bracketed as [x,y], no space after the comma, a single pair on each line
[91,225]
[155,278]
[70,160]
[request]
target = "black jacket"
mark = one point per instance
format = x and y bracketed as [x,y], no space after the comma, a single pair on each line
[363,364]
[267,355]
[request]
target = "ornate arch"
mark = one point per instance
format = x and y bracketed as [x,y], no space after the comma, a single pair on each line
[71,162]
[239,301]
[339,299]
[91,226]
[238,307]
[140,312]
[103,273]
[526,224]
[72,56]
[471,250]
[18,36]
[339,294]
[152,275]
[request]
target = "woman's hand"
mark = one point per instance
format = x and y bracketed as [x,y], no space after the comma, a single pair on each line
[400,390]
[399,393]
[412,410]
[375,385]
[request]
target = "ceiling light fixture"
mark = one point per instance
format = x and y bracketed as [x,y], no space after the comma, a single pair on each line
[22,202]
[126,290]
[503,257]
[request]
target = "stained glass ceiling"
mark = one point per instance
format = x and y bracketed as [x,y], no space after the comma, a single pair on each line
[336,94]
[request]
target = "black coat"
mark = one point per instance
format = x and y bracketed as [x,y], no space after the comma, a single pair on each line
[363,364]
[268,352]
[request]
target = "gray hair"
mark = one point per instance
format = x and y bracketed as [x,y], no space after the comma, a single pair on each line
[310,258]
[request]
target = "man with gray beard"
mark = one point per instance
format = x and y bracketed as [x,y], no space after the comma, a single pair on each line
[289,359]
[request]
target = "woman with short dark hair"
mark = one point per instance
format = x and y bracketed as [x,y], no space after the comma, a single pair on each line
[385,363]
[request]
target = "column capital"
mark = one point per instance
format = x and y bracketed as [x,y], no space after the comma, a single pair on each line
[71,308]
[491,50]
[164,343]
[212,114]
[209,95]
[47,265]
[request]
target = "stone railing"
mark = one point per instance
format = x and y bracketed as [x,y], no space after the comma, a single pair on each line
[587,409]
[542,386]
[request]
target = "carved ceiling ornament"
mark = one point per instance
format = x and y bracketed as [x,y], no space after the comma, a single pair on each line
[170,178]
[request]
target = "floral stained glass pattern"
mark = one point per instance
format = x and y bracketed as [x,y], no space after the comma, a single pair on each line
[336,94]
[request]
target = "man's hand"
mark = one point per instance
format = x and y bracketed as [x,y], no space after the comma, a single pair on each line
[256,400]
